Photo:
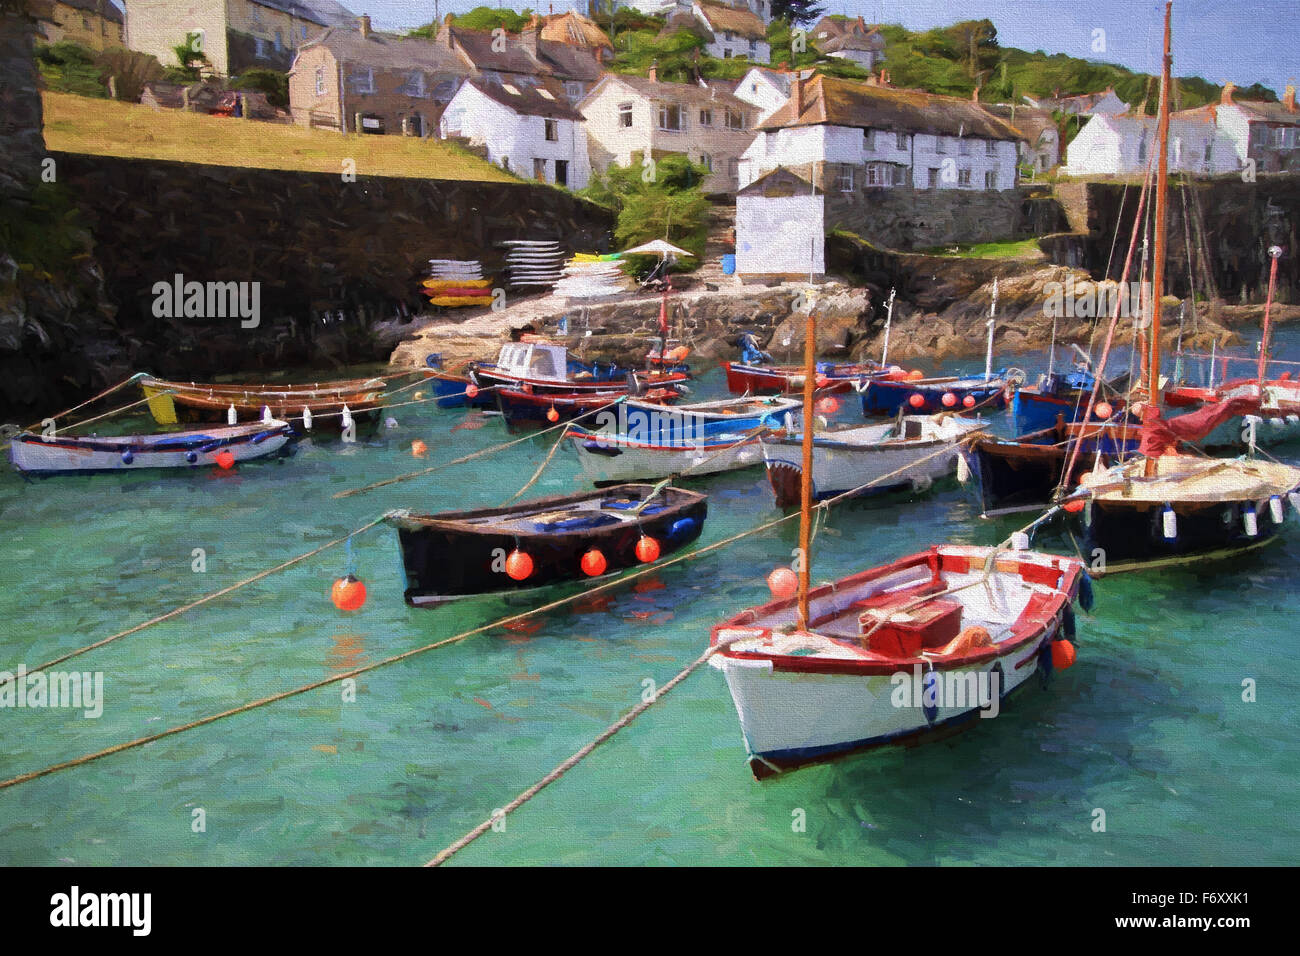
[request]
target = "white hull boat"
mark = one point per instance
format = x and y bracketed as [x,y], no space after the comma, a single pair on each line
[896,654]
[63,454]
[916,450]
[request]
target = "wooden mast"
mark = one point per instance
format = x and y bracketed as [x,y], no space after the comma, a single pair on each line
[805,489]
[1274,253]
[1161,213]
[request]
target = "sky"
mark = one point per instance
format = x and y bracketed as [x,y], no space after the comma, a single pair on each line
[1218,40]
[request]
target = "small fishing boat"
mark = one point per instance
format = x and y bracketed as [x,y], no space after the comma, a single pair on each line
[457,554]
[915,450]
[831,377]
[1024,473]
[523,410]
[1271,417]
[895,654]
[328,404]
[63,454]
[547,368]
[1061,394]
[641,442]
[885,396]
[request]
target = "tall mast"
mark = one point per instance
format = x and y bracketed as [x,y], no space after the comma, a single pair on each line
[1161,213]
[805,489]
[1274,253]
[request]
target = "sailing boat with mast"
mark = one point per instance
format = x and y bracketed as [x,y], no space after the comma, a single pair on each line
[894,654]
[1164,507]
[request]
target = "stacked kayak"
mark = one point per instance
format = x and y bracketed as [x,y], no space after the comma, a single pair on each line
[456,283]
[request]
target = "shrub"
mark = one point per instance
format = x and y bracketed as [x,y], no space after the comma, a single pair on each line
[271,82]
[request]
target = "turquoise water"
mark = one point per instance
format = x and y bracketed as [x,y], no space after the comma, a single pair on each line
[1149,726]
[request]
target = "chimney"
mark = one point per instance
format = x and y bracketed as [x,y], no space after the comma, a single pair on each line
[1288,98]
[363,24]
[884,77]
[1226,98]
[653,74]
[796,95]
[975,95]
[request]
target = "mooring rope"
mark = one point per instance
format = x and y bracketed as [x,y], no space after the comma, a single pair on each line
[211,596]
[94,398]
[470,457]
[455,639]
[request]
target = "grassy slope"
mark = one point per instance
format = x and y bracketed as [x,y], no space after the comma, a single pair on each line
[76,124]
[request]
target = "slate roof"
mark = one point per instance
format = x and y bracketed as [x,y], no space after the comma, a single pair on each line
[529,100]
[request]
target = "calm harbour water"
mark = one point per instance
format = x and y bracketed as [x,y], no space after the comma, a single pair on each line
[1149,725]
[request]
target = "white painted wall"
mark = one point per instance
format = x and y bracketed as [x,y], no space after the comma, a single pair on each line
[757,87]
[780,235]
[517,139]
[1113,146]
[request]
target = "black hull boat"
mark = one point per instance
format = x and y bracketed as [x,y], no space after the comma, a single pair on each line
[546,541]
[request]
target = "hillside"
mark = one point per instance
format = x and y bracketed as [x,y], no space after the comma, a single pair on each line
[77,124]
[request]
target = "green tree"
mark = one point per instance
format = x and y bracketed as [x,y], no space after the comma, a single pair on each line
[273,83]
[670,206]
[797,12]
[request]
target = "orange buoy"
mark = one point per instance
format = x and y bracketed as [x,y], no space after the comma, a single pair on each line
[1063,655]
[949,399]
[519,565]
[828,405]
[821,381]
[593,563]
[783,583]
[348,593]
[647,549]
[916,400]
[1104,410]
[678,354]
[552,416]
[969,401]
[225,460]
[471,390]
[1073,505]
[915,375]
[419,449]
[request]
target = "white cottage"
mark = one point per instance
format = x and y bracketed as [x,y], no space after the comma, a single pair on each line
[767,89]
[1202,142]
[527,126]
[846,135]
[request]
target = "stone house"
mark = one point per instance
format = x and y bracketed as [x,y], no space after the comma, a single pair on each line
[527,126]
[856,138]
[528,53]
[728,31]
[366,81]
[94,24]
[632,118]
[850,40]
[1041,148]
[235,35]
[1267,133]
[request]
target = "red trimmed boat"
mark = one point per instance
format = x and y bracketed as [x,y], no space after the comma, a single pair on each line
[896,654]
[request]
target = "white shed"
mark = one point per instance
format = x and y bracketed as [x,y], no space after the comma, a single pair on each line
[780,228]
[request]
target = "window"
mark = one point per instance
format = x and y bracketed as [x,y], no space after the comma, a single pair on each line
[733,168]
[735,119]
[670,117]
[990,179]
[990,147]
[414,85]
[539,174]
[753,48]
[726,53]
[869,139]
[844,178]
[1209,153]
[706,161]
[259,48]
[320,81]
[546,95]
[1142,148]
[561,172]
[362,81]
[303,32]
[900,141]
[963,177]
[279,41]
[940,145]
[573,90]
[963,147]
[933,181]
[552,131]
[706,117]
[625,115]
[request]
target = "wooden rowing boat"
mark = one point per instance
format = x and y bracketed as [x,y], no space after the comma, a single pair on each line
[319,404]
[65,454]
[896,654]
[457,554]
